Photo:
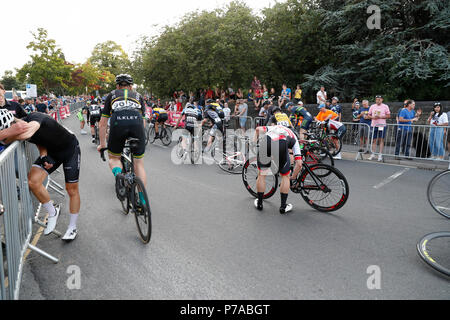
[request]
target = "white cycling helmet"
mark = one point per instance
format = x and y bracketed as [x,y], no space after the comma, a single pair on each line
[6,119]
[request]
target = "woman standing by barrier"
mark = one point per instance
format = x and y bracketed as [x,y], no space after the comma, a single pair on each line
[438,119]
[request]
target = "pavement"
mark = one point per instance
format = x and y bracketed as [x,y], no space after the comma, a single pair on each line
[209,242]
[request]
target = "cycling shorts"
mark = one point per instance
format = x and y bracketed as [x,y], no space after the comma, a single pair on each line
[126,124]
[267,151]
[160,118]
[94,118]
[188,131]
[70,158]
[306,123]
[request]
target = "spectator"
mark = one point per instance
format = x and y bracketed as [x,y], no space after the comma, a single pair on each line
[197,105]
[355,119]
[227,113]
[285,97]
[404,132]
[250,95]
[231,94]
[12,106]
[321,95]
[364,130]
[378,113]
[217,93]
[328,104]
[241,110]
[202,95]
[263,110]
[209,94]
[272,95]
[40,106]
[256,84]
[298,94]
[258,98]
[265,93]
[437,119]
[239,94]
[29,107]
[335,107]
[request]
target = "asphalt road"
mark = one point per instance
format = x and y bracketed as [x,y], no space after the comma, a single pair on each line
[209,242]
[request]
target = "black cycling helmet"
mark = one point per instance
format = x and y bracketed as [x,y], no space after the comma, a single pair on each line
[124,79]
[209,101]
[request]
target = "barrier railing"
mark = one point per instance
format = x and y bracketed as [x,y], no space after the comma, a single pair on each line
[17,214]
[420,142]
[356,138]
[239,123]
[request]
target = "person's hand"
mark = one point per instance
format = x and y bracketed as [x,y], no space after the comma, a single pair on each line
[48,166]
[100,147]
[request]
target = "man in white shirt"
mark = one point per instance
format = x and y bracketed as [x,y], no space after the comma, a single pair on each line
[321,95]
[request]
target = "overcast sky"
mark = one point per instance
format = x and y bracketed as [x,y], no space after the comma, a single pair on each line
[78,25]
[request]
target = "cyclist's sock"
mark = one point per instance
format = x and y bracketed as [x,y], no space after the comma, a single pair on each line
[284,197]
[50,209]
[73,220]
[142,198]
[116,171]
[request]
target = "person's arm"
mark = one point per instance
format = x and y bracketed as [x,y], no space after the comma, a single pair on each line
[21,131]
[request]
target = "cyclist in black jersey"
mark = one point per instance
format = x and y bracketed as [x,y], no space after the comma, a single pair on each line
[57,146]
[126,109]
[213,112]
[95,114]
[297,112]
[191,117]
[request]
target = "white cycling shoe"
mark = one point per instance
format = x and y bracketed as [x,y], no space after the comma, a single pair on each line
[288,208]
[70,235]
[51,221]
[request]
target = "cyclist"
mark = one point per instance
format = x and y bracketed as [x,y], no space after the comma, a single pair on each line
[125,107]
[329,118]
[298,112]
[280,118]
[214,112]
[190,115]
[95,114]
[159,116]
[275,145]
[41,129]
[83,111]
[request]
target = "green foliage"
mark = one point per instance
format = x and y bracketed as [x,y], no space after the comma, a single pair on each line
[9,81]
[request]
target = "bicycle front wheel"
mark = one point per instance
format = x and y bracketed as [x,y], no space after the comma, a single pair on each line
[150,135]
[142,211]
[250,175]
[434,249]
[333,144]
[438,193]
[166,137]
[324,188]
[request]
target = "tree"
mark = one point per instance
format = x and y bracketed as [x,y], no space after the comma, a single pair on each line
[9,81]
[47,68]
[110,56]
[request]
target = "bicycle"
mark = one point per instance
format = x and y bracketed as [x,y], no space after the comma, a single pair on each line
[328,140]
[133,191]
[434,249]
[438,193]
[193,147]
[96,134]
[321,186]
[164,134]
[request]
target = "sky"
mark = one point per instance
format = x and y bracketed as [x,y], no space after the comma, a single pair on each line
[78,25]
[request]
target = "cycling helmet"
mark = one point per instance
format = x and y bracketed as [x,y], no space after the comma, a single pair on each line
[124,78]
[6,119]
[289,104]
[300,103]
[209,101]
[335,98]
[189,105]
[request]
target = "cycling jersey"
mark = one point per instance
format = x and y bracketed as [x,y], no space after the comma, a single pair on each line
[160,115]
[63,150]
[281,119]
[95,114]
[277,133]
[191,116]
[126,110]
[301,114]
[216,108]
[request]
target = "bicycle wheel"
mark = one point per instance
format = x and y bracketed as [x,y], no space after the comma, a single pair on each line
[315,155]
[150,137]
[194,150]
[166,136]
[438,193]
[249,176]
[97,137]
[324,188]
[180,150]
[232,162]
[333,144]
[125,205]
[434,248]
[142,213]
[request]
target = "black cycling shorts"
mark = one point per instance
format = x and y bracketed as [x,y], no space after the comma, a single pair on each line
[94,118]
[161,118]
[281,158]
[126,124]
[70,158]
[189,130]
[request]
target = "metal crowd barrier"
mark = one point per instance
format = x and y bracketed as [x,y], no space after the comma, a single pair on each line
[18,209]
[419,142]
[357,138]
[239,123]
[258,121]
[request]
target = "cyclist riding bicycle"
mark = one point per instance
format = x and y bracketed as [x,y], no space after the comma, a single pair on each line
[298,112]
[329,118]
[280,118]
[95,114]
[214,112]
[125,107]
[190,115]
[274,147]
[159,116]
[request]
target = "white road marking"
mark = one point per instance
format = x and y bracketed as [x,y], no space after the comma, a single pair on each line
[391,178]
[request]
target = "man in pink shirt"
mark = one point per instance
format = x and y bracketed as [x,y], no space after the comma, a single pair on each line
[378,112]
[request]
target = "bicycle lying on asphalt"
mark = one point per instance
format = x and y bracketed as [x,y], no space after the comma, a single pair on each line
[321,186]
[132,193]
[434,248]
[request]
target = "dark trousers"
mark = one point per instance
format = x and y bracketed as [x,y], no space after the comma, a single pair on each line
[404,141]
